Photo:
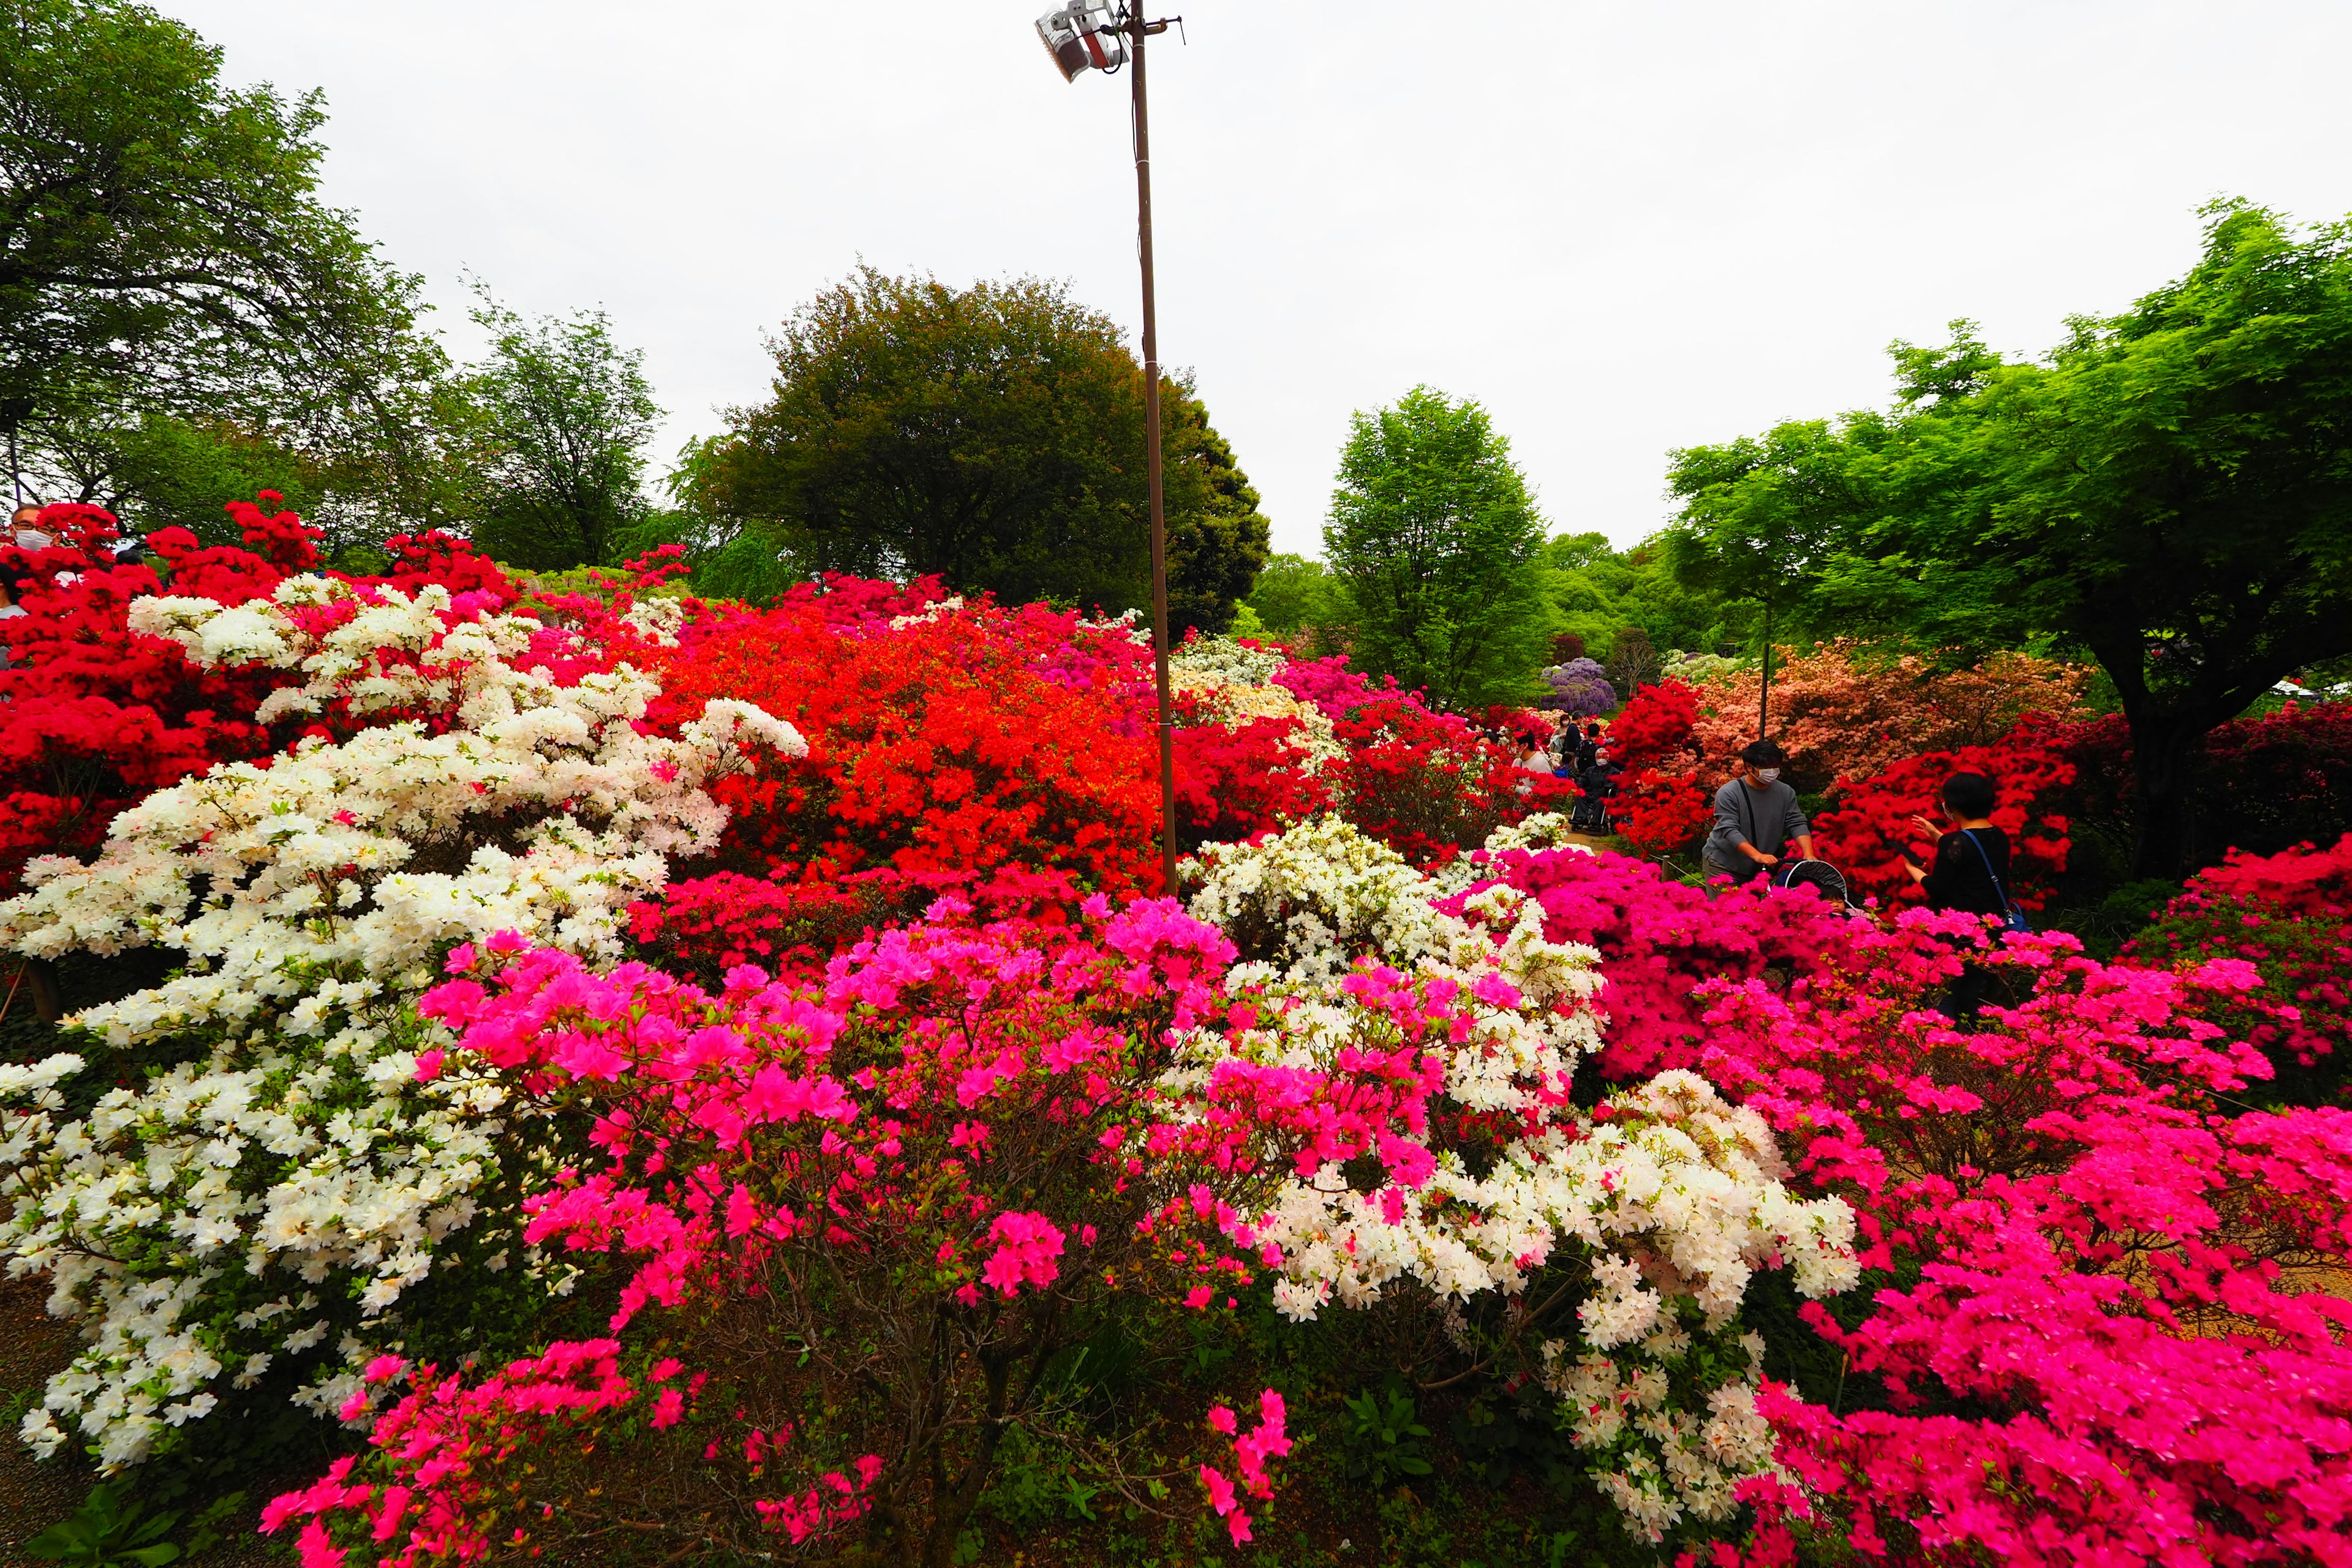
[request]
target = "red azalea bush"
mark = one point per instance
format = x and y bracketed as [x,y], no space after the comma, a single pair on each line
[1663,814]
[2272,782]
[1235,782]
[1427,784]
[959,1150]
[1654,730]
[1870,830]
[958,740]
[2107,1328]
[97,716]
[2290,916]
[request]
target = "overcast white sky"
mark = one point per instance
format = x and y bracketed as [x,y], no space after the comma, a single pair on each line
[1625,229]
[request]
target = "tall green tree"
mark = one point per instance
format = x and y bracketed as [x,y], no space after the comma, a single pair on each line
[164,251]
[561,414]
[1759,521]
[1436,542]
[2169,491]
[993,435]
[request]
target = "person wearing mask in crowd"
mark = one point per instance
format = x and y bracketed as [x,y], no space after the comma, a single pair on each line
[1970,874]
[24,525]
[1756,817]
[1588,746]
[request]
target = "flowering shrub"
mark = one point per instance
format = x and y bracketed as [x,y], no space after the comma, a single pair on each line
[2104,1328]
[1330,686]
[954,1146]
[2280,779]
[1870,830]
[1837,712]
[959,740]
[1427,783]
[1663,814]
[1659,939]
[98,716]
[1499,1184]
[1654,731]
[1580,689]
[2290,916]
[290,1129]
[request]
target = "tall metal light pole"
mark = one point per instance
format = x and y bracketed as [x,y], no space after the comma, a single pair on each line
[1096,37]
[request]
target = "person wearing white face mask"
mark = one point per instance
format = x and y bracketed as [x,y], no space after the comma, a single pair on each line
[1756,816]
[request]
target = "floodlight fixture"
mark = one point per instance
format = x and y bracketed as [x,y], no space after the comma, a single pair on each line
[1103,36]
[1084,37]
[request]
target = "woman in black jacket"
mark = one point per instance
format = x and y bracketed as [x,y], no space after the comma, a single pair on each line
[1971,870]
[1970,873]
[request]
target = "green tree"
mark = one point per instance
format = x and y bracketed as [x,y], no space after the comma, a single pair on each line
[991,435]
[1761,520]
[1436,542]
[561,413]
[179,473]
[1217,540]
[2169,490]
[164,252]
[1599,592]
[1295,594]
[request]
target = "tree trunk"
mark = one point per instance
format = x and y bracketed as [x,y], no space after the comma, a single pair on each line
[2164,817]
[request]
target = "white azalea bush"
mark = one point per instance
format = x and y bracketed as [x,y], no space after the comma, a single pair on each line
[293,1163]
[1606,1253]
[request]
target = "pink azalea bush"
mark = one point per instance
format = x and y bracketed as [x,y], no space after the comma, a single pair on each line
[961,1145]
[2106,1328]
[2290,916]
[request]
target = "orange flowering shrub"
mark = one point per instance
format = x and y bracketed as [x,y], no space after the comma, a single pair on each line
[1840,716]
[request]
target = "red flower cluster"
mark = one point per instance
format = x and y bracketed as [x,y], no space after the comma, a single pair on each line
[2290,916]
[1428,784]
[957,742]
[1663,813]
[1870,831]
[1653,730]
[1237,781]
[98,716]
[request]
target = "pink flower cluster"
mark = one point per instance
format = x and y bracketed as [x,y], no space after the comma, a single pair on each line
[1658,937]
[956,1117]
[2106,1330]
[1269,1439]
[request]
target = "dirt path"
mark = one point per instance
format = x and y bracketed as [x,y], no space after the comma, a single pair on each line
[32,1496]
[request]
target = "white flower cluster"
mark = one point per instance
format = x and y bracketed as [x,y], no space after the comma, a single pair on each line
[1308,902]
[291,1182]
[1208,662]
[1670,1204]
[1658,1463]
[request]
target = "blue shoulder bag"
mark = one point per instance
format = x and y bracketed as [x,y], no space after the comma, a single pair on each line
[2017,921]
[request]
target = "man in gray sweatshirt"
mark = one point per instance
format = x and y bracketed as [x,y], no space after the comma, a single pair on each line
[1756,815]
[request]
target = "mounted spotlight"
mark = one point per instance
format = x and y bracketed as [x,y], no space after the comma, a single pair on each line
[1082,38]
